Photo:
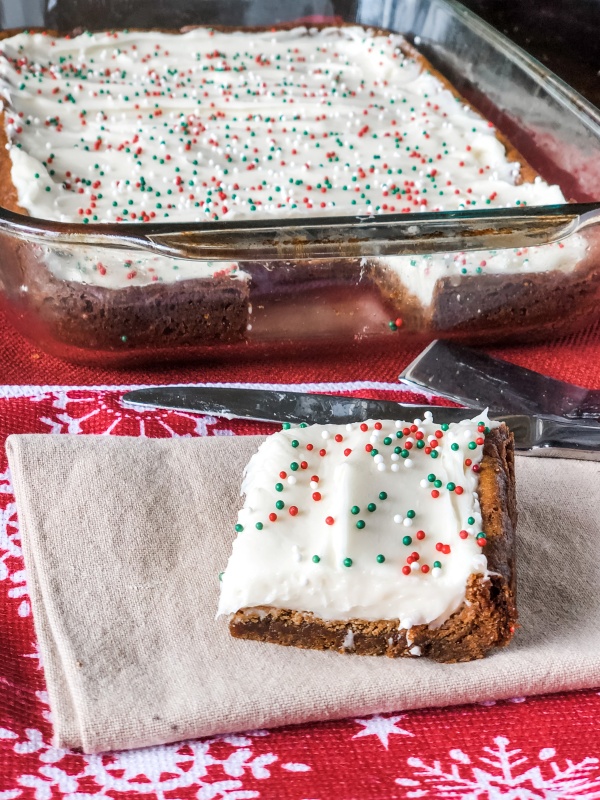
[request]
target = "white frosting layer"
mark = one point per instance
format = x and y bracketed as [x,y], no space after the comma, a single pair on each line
[209,125]
[300,561]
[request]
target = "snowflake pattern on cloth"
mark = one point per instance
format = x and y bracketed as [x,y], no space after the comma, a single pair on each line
[545,748]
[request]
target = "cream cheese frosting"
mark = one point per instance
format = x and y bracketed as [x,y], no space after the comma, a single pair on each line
[207,125]
[376,521]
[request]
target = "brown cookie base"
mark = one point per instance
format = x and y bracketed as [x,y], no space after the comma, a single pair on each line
[486,619]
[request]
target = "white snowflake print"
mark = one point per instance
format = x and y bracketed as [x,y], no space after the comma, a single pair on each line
[381,726]
[503,774]
[103,412]
[11,556]
[152,771]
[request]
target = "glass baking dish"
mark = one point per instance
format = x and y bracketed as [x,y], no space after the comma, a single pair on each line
[248,300]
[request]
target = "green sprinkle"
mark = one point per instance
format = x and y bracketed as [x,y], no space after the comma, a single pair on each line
[472,445]
[437,483]
[347,562]
[279,487]
[434,454]
[431,477]
[371,507]
[471,521]
[295,442]
[286,426]
[405,453]
[239,528]
[387,440]
[383,495]
[360,524]
[445,426]
[221,575]
[380,559]
[294,466]
[407,540]
[279,505]
[454,446]
[410,514]
[437,564]
[481,535]
[450,486]
[259,526]
[316,559]
[399,434]
[354,510]
[397,450]
[374,452]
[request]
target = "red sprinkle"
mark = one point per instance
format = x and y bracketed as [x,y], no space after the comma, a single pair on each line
[435,493]
[368,447]
[406,570]
[329,520]
[420,534]
[315,478]
[364,426]
[459,490]
[378,426]
[424,568]
[414,428]
[283,475]
[272,516]
[475,467]
[347,451]
[468,462]
[316,495]
[322,452]
[463,535]
[304,465]
[480,542]
[293,511]
[338,437]
[309,447]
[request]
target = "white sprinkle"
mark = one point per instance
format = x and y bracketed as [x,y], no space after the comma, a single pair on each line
[291,480]
[436,572]
[398,423]
[398,518]
[424,483]
[409,463]
[314,485]
[407,522]
[325,434]
[414,566]
[395,457]
[378,458]
[395,467]
[381,467]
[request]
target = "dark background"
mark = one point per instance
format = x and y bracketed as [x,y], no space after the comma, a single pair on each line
[562,34]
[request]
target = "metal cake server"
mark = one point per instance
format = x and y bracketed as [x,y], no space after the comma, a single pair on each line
[473,378]
[324,237]
[534,435]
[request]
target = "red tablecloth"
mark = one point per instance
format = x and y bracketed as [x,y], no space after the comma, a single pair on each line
[545,747]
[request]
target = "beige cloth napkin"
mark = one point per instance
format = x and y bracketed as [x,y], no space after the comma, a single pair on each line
[124,540]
